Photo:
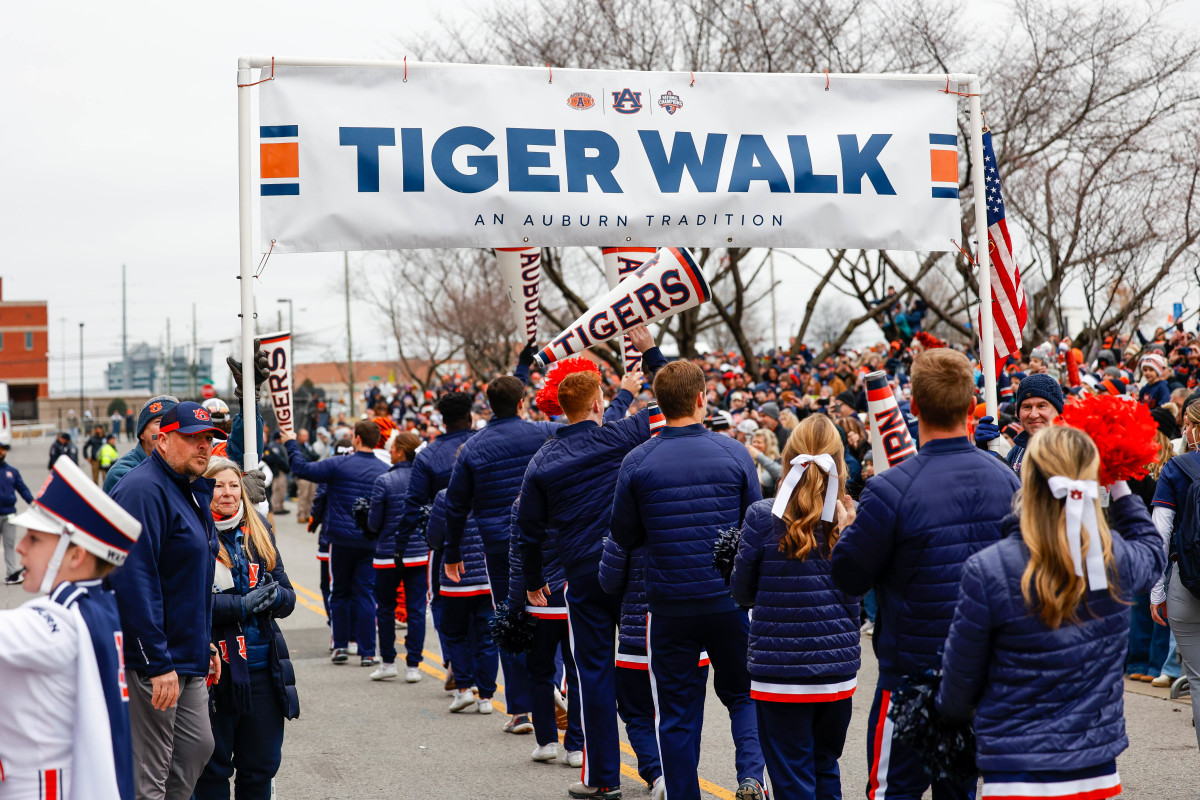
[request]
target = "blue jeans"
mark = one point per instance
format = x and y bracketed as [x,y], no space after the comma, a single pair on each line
[1148,641]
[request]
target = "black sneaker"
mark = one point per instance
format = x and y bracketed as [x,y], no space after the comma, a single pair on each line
[750,789]
[367,661]
[519,724]
[14,578]
[340,656]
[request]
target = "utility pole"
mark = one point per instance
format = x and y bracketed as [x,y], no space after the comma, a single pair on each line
[349,342]
[291,321]
[774,319]
[193,378]
[81,379]
[63,354]
[126,372]
[170,356]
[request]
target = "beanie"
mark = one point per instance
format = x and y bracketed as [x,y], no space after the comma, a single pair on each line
[153,409]
[771,410]
[1157,362]
[1043,386]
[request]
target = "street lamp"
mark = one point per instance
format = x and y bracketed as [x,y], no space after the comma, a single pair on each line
[291,324]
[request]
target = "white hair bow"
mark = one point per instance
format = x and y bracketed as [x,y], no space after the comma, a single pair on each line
[799,464]
[1080,499]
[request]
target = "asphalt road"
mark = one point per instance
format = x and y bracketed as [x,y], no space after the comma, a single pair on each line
[362,739]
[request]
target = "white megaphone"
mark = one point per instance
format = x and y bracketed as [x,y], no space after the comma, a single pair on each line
[620,262]
[890,440]
[668,283]
[521,268]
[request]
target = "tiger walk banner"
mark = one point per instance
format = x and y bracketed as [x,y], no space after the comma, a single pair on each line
[372,156]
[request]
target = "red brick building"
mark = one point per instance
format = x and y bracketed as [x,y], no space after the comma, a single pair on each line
[23,363]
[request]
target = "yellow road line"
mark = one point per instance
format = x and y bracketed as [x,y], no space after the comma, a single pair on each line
[628,771]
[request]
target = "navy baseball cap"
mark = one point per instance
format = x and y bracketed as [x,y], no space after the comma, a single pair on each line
[189,418]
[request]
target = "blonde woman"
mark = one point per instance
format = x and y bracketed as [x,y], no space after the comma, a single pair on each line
[1049,606]
[803,650]
[764,449]
[257,689]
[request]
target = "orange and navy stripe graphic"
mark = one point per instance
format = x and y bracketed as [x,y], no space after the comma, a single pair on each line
[943,165]
[279,160]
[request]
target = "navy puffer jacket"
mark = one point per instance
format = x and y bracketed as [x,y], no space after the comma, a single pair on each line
[347,478]
[387,511]
[487,479]
[675,493]
[556,606]
[623,572]
[917,524]
[1045,699]
[474,561]
[569,488]
[430,474]
[803,627]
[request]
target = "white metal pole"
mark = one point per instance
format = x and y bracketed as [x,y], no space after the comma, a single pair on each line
[246,252]
[987,349]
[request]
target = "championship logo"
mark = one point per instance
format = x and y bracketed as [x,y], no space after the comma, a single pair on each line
[627,101]
[671,102]
[581,101]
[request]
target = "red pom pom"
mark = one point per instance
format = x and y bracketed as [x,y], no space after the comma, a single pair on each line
[547,396]
[928,340]
[1124,433]
[1072,369]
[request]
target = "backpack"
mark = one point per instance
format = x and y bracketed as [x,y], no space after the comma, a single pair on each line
[1185,537]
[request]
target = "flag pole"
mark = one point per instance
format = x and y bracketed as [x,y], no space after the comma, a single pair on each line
[987,344]
[246,253]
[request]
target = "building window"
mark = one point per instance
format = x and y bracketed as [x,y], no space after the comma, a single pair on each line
[1,341]
[28,340]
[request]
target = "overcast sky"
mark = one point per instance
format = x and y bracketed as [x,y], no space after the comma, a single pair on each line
[119,143]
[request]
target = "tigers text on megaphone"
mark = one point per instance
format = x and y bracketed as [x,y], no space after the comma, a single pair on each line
[668,283]
[620,263]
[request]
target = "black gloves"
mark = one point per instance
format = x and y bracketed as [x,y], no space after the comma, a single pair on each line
[255,483]
[261,371]
[526,357]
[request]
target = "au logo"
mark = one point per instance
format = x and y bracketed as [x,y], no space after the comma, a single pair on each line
[201,414]
[671,102]
[627,101]
[581,101]
[155,407]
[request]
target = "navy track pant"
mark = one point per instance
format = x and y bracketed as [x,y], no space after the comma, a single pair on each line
[516,673]
[635,705]
[549,638]
[387,579]
[472,652]
[801,744]
[895,772]
[675,644]
[594,616]
[352,579]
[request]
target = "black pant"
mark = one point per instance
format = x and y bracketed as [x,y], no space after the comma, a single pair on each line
[248,746]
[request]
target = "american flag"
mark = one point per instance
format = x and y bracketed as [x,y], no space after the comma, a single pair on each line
[1009,311]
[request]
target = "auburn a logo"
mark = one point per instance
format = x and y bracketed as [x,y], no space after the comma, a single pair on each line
[627,101]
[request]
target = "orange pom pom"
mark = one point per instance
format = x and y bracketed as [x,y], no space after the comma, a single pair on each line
[1124,433]
[547,396]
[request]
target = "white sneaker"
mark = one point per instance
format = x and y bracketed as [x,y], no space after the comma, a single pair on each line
[412,674]
[545,752]
[867,629]
[571,758]
[463,700]
[659,790]
[383,672]
[485,705]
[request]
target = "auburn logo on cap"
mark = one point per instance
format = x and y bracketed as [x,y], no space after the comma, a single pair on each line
[201,414]
[155,408]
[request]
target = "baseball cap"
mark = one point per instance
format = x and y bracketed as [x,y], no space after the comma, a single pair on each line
[216,409]
[189,418]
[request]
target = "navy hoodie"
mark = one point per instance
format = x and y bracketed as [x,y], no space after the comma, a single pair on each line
[164,588]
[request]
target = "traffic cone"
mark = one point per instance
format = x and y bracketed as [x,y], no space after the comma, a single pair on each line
[620,262]
[890,440]
[521,269]
[668,283]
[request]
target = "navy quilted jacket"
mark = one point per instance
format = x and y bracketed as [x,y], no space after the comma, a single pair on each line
[387,510]
[430,474]
[568,488]
[803,627]
[623,572]
[474,561]
[487,479]
[516,575]
[675,493]
[348,478]
[917,524]
[1045,699]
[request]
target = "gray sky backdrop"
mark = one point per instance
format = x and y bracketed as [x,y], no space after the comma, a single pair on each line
[119,142]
